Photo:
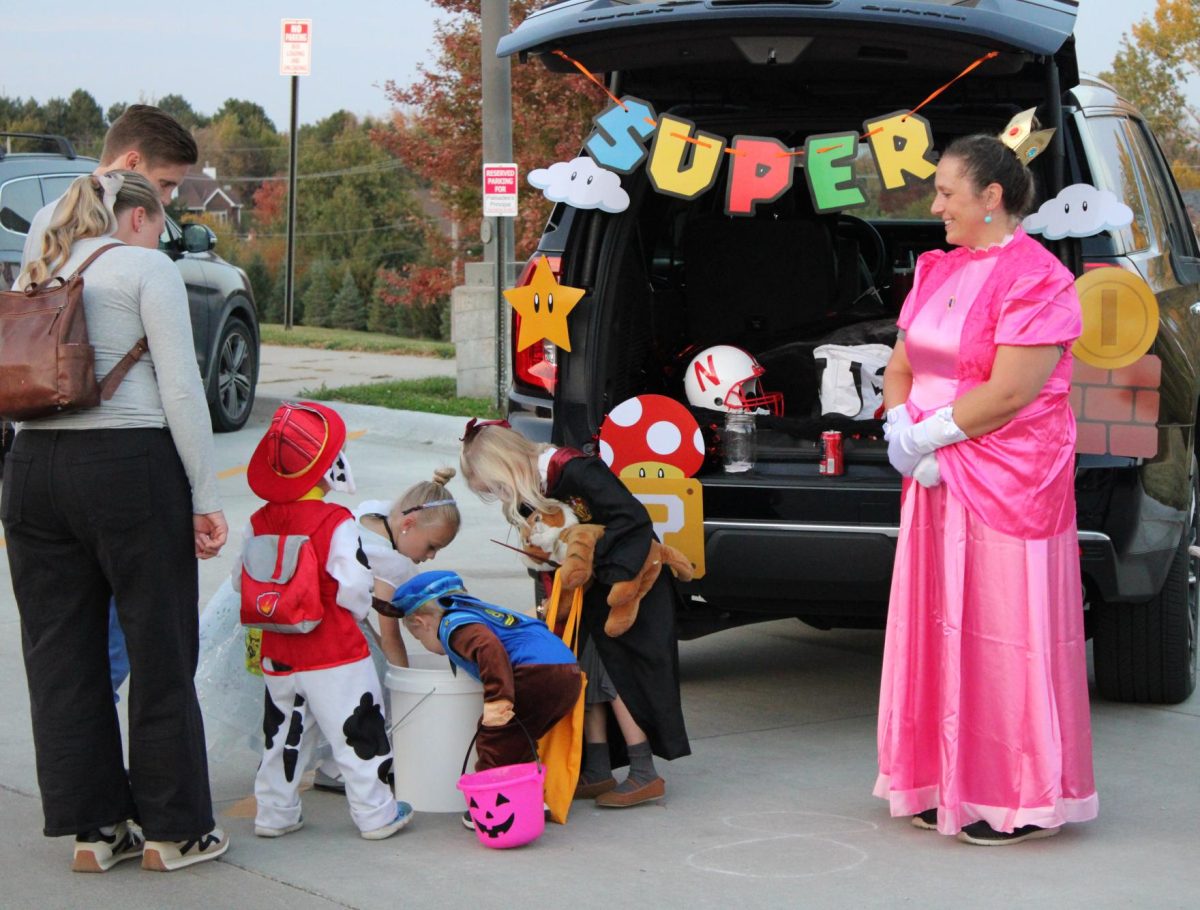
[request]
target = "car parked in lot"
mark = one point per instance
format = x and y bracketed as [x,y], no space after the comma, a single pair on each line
[224,319]
[669,274]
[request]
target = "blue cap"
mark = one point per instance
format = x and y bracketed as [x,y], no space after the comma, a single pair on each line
[420,589]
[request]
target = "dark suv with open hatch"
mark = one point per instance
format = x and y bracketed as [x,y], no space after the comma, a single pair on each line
[668,274]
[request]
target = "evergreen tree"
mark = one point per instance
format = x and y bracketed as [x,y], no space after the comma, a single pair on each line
[381,313]
[262,285]
[280,294]
[318,295]
[349,308]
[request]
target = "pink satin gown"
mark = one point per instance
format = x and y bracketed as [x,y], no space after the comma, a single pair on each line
[984,699]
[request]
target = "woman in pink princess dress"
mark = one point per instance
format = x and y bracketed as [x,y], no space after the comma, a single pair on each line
[984,730]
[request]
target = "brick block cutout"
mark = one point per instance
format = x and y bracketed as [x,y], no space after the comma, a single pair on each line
[1116,410]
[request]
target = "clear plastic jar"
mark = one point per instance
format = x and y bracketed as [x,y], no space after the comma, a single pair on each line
[738,441]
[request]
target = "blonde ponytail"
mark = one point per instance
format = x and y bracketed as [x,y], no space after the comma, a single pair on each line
[81,214]
[430,500]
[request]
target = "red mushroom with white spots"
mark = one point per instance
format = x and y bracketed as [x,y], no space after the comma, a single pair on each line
[651,436]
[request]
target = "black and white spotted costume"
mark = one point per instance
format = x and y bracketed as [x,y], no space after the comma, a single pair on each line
[324,677]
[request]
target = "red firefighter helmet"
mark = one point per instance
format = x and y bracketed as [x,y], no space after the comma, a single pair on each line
[725,378]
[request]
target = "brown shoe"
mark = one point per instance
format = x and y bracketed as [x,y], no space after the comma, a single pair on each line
[617,799]
[594,789]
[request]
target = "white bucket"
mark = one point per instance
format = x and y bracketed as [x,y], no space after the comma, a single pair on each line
[434,713]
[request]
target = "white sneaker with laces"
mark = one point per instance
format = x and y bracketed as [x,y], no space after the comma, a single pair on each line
[96,851]
[404,814]
[169,855]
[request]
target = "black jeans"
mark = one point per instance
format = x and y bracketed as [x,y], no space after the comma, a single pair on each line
[89,513]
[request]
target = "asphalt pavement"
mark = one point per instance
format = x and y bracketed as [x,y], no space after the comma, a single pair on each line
[772,810]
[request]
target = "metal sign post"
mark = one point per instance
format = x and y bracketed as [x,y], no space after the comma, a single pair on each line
[499,202]
[295,60]
[496,76]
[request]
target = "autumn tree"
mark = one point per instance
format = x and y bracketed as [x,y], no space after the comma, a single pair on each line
[241,142]
[1151,68]
[355,206]
[437,129]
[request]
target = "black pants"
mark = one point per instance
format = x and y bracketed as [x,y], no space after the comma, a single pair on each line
[89,513]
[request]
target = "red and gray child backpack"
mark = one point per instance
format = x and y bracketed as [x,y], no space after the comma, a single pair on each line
[281,590]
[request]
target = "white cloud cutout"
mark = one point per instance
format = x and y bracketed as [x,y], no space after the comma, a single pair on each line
[581,183]
[1080,210]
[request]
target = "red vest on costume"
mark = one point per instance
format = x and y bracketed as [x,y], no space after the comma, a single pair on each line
[338,639]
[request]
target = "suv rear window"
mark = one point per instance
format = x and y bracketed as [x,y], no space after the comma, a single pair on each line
[1161,191]
[19,202]
[1114,169]
[53,187]
[908,204]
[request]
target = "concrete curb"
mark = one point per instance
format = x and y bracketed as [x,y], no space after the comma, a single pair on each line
[440,431]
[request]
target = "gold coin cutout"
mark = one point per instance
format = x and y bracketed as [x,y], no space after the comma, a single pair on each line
[1120,318]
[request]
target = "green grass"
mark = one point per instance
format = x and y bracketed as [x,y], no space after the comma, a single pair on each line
[307,336]
[434,395]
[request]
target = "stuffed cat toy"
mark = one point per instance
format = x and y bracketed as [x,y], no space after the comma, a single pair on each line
[556,539]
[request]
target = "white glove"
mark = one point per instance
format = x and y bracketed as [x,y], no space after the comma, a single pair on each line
[927,473]
[907,444]
[895,418]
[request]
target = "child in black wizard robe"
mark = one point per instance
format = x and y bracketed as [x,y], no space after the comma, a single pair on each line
[633,705]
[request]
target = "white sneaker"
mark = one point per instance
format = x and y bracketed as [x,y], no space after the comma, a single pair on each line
[264,831]
[169,855]
[404,814]
[99,852]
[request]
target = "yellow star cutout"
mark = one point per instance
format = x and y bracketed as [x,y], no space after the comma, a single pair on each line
[543,305]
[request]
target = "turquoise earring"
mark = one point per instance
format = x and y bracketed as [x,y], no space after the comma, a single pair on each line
[987,219]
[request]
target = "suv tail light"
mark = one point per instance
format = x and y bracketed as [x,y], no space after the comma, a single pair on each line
[535,367]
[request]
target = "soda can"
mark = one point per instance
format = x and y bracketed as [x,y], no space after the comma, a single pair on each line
[832,463]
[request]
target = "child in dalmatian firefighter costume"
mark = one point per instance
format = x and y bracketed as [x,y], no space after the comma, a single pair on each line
[325,676]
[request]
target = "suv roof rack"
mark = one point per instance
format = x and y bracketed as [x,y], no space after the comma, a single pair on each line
[65,148]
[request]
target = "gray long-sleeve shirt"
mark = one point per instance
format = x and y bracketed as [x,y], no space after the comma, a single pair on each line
[127,293]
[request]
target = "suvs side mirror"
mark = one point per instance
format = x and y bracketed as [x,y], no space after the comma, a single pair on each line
[198,238]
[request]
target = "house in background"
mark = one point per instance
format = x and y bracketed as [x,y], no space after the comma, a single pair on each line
[203,194]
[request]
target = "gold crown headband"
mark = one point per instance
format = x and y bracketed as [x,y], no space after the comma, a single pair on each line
[1024,138]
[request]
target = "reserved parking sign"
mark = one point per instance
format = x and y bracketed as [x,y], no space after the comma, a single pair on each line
[500,190]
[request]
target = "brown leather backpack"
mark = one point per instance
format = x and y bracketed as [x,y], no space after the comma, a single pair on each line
[47,364]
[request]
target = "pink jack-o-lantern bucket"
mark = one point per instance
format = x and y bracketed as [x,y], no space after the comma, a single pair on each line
[506,803]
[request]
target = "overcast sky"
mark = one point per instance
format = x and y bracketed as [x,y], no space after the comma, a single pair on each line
[140,50]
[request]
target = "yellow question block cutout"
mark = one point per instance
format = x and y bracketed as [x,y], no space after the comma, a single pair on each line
[676,507]
[1120,318]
